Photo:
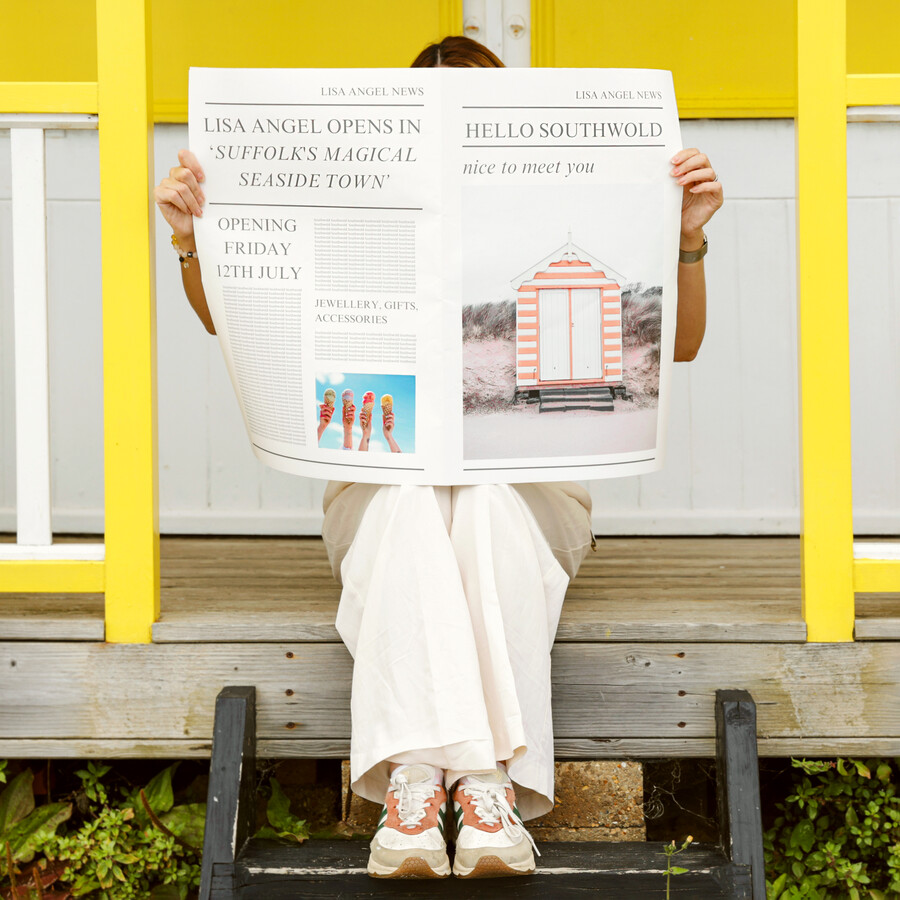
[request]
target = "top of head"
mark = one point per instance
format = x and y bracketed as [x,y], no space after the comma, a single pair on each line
[457,53]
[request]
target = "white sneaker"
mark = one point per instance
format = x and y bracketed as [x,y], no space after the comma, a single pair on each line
[490,837]
[409,840]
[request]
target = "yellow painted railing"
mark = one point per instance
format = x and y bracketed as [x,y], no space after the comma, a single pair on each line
[824,91]
[129,574]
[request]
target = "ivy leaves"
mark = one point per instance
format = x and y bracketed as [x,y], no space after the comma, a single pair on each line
[838,833]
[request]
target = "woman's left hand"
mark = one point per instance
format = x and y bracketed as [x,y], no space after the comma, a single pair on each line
[702,194]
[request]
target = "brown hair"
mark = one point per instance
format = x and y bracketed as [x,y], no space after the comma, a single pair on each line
[458,52]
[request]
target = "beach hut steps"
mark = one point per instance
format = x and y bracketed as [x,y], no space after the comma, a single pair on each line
[239,867]
[598,398]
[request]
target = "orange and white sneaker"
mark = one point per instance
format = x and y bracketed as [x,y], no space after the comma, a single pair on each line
[490,837]
[409,841]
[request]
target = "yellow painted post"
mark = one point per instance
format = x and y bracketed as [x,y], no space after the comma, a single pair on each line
[827,508]
[129,319]
[543,33]
[451,17]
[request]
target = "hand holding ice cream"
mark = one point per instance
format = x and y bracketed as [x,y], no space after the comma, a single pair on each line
[349,418]
[387,422]
[365,419]
[326,411]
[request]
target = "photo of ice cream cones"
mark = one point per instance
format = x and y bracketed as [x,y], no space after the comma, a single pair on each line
[357,427]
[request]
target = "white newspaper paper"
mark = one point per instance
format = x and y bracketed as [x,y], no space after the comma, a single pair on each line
[443,276]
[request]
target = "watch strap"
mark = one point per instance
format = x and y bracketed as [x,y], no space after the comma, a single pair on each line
[694,256]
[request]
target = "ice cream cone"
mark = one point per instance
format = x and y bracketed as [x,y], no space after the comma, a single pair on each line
[368,401]
[387,404]
[349,411]
[330,398]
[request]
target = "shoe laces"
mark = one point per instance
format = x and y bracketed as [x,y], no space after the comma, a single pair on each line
[411,798]
[492,806]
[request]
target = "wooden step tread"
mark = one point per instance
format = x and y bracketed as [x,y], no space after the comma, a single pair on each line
[625,871]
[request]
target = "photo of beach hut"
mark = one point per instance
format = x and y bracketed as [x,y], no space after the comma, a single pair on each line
[569,331]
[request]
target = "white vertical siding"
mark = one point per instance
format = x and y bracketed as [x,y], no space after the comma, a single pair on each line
[732,461]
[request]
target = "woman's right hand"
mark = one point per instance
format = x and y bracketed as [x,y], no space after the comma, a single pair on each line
[180,197]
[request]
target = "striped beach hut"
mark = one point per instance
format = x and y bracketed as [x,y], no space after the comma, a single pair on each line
[568,322]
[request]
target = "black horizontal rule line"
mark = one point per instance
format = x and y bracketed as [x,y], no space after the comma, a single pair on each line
[248,103]
[551,146]
[559,465]
[562,107]
[321,462]
[315,206]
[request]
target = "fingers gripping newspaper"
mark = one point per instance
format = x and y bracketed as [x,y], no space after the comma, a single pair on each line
[443,276]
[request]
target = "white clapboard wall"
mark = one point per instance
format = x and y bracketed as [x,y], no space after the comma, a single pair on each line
[732,465]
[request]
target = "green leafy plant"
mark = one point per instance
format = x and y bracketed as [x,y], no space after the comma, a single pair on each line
[282,823]
[140,846]
[671,852]
[23,828]
[91,781]
[838,834]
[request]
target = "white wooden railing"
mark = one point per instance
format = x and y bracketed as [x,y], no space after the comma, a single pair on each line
[34,523]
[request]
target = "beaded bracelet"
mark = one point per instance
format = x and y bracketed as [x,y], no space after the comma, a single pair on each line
[183,255]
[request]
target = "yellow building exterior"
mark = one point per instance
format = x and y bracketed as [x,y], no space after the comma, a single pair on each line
[731,60]
[128,63]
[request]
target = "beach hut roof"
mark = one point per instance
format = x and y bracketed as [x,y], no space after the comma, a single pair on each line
[568,251]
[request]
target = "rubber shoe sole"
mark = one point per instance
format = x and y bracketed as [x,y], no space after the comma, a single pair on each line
[411,867]
[490,866]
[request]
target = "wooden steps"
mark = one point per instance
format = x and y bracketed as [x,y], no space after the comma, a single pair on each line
[238,867]
[269,870]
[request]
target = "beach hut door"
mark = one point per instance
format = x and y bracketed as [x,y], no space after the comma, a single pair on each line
[586,334]
[553,315]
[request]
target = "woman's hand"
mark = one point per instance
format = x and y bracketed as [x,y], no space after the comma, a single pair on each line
[180,197]
[702,194]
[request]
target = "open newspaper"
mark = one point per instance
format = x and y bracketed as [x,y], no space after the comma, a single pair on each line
[443,276]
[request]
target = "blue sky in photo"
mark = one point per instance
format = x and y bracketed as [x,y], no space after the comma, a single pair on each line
[401,387]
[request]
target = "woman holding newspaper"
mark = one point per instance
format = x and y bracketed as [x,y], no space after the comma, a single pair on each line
[451,598]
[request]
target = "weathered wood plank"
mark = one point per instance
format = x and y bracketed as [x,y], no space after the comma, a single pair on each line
[626,871]
[622,856]
[284,620]
[152,692]
[52,618]
[275,589]
[231,804]
[737,785]
[339,748]
[877,629]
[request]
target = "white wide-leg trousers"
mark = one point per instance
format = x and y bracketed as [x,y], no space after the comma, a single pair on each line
[450,603]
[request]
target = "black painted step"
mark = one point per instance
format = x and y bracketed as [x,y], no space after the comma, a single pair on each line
[270,870]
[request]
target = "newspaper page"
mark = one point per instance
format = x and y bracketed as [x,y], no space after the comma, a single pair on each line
[443,276]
